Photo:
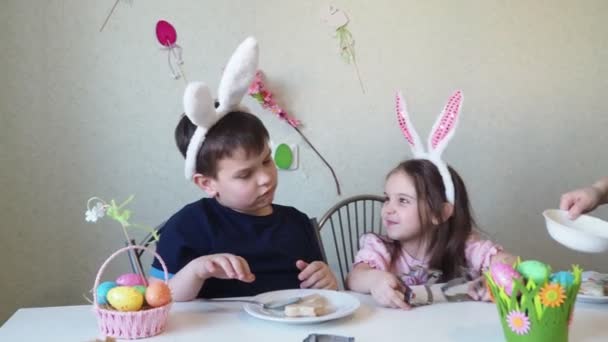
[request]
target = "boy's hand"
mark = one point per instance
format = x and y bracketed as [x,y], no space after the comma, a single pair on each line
[224,266]
[389,291]
[316,275]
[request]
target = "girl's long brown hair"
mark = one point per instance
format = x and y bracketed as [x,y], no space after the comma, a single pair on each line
[446,240]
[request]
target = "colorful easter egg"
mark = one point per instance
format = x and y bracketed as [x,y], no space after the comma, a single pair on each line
[125,298]
[564,278]
[503,275]
[534,270]
[130,279]
[102,291]
[158,294]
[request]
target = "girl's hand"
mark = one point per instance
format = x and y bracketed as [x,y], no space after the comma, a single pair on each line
[478,290]
[316,275]
[224,266]
[388,290]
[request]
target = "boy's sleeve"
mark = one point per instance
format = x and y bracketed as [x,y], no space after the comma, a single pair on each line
[374,252]
[173,249]
[317,252]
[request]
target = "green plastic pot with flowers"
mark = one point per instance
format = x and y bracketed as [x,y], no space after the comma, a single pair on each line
[533,303]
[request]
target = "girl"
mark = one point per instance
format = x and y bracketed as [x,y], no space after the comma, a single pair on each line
[429,229]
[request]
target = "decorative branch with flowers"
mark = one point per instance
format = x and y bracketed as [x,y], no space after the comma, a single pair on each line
[98,208]
[338,20]
[258,91]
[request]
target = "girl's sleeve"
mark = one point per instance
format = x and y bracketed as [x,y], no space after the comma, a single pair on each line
[479,253]
[373,251]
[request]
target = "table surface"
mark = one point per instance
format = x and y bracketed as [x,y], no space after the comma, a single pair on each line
[204,321]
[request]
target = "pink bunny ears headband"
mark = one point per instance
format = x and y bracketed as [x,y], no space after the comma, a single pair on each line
[441,134]
[200,106]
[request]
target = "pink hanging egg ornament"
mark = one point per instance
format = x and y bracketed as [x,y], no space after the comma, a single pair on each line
[165,33]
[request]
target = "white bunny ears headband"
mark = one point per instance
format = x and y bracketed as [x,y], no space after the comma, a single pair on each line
[441,134]
[200,107]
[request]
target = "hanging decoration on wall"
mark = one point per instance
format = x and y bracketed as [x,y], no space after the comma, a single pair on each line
[285,156]
[258,91]
[338,21]
[167,37]
[109,15]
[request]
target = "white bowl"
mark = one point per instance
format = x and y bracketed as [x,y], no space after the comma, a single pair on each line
[585,234]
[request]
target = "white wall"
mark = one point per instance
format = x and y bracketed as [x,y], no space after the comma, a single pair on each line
[86,113]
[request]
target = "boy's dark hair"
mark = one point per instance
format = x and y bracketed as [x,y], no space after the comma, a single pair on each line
[233,131]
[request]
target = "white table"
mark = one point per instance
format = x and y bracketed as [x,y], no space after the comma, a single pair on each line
[224,322]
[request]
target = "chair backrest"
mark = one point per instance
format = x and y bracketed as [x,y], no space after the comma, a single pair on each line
[342,225]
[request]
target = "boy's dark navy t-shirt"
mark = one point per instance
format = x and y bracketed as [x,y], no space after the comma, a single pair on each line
[271,245]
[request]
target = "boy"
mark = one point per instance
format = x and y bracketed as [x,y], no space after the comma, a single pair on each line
[236,243]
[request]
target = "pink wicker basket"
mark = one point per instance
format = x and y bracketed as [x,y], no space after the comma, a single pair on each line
[130,325]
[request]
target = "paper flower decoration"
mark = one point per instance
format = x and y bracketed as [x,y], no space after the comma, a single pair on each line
[552,295]
[518,322]
[95,213]
[260,92]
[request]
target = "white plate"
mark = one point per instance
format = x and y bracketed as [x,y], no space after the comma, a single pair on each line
[341,304]
[592,299]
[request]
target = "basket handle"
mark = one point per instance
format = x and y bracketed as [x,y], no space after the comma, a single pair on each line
[122,250]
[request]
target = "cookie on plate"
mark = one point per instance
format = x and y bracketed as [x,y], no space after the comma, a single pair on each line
[310,306]
[591,288]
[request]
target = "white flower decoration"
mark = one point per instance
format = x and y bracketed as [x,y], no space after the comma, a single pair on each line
[97,212]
